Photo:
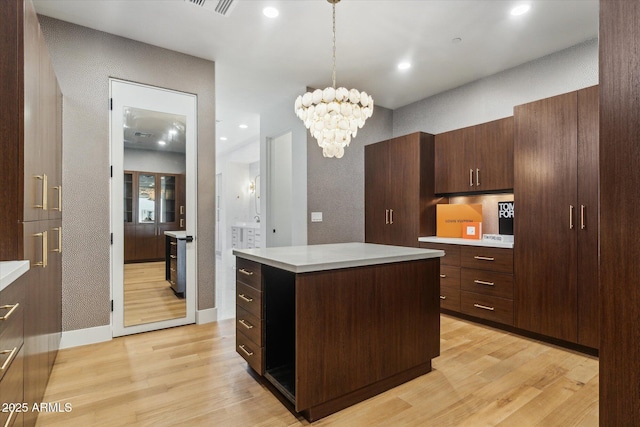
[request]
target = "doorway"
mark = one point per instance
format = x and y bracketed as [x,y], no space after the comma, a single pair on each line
[280,202]
[153,186]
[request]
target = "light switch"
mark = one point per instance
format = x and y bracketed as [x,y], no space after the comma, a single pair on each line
[316,216]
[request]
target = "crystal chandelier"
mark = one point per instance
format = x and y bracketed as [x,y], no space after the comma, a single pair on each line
[333,116]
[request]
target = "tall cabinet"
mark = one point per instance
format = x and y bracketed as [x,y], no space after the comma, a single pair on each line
[31,173]
[399,195]
[556,222]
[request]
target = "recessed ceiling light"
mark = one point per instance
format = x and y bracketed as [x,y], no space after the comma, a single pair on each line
[404,66]
[162,143]
[172,132]
[223,138]
[520,10]
[270,12]
[243,126]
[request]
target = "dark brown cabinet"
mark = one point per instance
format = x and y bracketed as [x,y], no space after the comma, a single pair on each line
[153,204]
[399,197]
[556,223]
[475,159]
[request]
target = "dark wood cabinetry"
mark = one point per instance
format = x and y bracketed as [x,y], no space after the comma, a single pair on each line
[475,159]
[556,223]
[153,203]
[399,196]
[31,212]
[249,313]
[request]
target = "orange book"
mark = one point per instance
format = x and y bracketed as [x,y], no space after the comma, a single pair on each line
[472,230]
[449,218]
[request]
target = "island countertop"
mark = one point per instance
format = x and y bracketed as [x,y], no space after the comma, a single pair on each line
[10,271]
[180,234]
[304,259]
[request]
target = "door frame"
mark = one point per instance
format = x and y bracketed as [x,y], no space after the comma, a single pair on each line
[121,93]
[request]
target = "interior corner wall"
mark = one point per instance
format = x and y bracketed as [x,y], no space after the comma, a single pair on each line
[494,97]
[336,186]
[84,60]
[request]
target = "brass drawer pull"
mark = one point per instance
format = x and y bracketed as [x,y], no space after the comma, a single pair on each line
[173,256]
[245,324]
[59,248]
[45,187]
[443,297]
[248,273]
[172,243]
[442,276]
[484,258]
[482,282]
[59,207]
[11,309]
[247,299]
[172,269]
[241,346]
[484,307]
[7,362]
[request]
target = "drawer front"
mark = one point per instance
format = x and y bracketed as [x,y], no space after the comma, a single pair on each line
[449,275]
[11,387]
[249,299]
[487,307]
[249,325]
[451,252]
[173,246]
[450,297]
[487,283]
[250,352]
[12,325]
[494,259]
[249,273]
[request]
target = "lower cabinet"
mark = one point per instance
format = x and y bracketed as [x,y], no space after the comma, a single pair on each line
[249,313]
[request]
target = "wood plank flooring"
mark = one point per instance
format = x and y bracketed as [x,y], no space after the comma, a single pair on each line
[191,376]
[148,296]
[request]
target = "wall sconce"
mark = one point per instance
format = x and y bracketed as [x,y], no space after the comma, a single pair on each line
[252,187]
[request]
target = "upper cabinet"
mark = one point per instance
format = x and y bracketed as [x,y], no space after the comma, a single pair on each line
[475,159]
[399,198]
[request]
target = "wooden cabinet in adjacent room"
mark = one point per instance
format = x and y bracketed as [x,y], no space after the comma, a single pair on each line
[556,221]
[475,159]
[399,197]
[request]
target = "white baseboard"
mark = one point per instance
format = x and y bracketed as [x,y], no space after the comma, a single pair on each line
[85,336]
[206,316]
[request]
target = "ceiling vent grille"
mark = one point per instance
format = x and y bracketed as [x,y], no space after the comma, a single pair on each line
[222,7]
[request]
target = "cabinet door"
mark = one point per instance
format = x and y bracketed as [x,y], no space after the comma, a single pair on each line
[494,155]
[545,185]
[453,161]
[48,131]
[588,184]
[146,242]
[53,285]
[376,181]
[403,190]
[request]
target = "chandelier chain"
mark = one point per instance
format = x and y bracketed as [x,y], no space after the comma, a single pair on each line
[333,76]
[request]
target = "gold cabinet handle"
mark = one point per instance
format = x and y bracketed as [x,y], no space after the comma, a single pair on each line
[45,251]
[45,186]
[477,177]
[181,210]
[582,224]
[59,248]
[11,309]
[241,346]
[173,256]
[12,354]
[59,190]
[443,297]
[484,258]
[390,216]
[173,243]
[386,216]
[181,223]
[484,307]
[245,272]
[442,276]
[482,282]
[245,324]
[570,217]
[470,177]
[247,299]
[172,269]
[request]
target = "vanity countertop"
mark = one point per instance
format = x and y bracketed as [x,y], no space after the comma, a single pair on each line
[10,271]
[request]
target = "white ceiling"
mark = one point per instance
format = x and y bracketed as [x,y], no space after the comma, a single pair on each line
[260,61]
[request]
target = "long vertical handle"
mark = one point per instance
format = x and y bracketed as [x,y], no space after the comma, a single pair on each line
[59,190]
[45,188]
[571,217]
[45,250]
[470,177]
[59,248]
[386,216]
[582,224]
[391,216]
[477,177]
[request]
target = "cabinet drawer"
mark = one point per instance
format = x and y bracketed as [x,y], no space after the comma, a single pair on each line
[495,259]
[9,297]
[250,352]
[487,283]
[249,299]
[449,275]
[173,247]
[487,307]
[451,252]
[249,272]
[11,387]
[450,297]
[249,325]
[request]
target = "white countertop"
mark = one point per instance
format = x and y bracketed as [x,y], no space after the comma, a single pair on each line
[304,259]
[468,242]
[10,271]
[180,234]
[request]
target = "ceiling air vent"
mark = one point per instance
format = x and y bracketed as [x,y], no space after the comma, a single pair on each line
[222,7]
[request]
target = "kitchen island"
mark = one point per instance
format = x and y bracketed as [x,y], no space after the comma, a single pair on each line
[331,325]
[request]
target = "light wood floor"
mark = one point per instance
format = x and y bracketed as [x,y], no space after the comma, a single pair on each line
[148,296]
[191,376]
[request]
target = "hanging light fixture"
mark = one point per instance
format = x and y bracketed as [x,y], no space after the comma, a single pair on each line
[333,116]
